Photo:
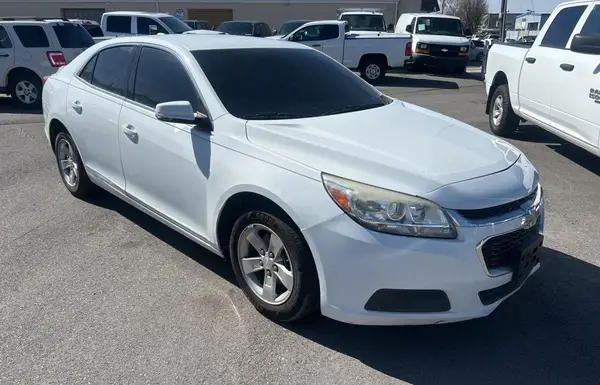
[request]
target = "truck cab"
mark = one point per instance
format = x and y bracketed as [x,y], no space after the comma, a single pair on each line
[129,23]
[363,20]
[437,41]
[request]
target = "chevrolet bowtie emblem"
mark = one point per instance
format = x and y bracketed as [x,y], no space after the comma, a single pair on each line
[444,50]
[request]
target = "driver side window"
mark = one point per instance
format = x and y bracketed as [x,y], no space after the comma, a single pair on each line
[317,33]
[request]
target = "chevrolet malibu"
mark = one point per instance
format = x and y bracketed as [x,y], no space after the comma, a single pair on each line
[324,194]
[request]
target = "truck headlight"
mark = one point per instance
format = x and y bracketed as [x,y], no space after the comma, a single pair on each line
[389,211]
[422,45]
[464,48]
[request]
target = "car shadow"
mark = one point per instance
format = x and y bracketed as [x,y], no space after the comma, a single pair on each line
[407,82]
[535,134]
[7,106]
[548,333]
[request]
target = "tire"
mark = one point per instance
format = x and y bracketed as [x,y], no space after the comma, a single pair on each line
[26,91]
[502,118]
[373,70]
[65,150]
[295,304]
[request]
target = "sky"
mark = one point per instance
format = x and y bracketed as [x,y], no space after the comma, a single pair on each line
[523,5]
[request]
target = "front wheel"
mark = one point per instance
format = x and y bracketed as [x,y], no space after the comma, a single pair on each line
[274,267]
[373,70]
[502,118]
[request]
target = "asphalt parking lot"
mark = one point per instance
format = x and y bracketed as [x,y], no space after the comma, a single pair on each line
[97,292]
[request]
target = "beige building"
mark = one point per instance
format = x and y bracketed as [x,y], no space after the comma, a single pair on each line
[274,12]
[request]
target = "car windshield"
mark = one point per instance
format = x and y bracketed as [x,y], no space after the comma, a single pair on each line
[365,22]
[73,36]
[93,29]
[236,28]
[291,27]
[282,83]
[174,24]
[478,43]
[439,26]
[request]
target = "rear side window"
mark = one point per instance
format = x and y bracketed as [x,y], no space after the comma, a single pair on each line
[144,23]
[73,36]
[118,24]
[110,71]
[94,30]
[32,36]
[592,25]
[151,90]
[562,26]
[4,39]
[88,71]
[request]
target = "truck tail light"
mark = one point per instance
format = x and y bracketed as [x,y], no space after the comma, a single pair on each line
[408,49]
[56,58]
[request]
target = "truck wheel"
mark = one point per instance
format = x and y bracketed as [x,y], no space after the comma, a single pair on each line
[373,70]
[503,120]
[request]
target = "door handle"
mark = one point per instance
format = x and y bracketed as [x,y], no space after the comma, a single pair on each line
[530,60]
[316,45]
[4,55]
[129,130]
[77,106]
[567,67]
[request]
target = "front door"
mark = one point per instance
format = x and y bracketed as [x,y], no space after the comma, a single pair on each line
[323,37]
[165,164]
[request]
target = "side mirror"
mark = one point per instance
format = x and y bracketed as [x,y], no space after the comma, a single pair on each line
[296,37]
[390,27]
[180,112]
[153,30]
[586,44]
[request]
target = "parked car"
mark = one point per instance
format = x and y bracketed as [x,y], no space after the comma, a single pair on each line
[245,28]
[287,27]
[31,48]
[197,24]
[477,50]
[554,83]
[371,54]
[299,177]
[437,41]
[128,23]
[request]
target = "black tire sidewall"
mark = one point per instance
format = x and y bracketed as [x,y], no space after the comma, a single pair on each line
[36,81]
[305,293]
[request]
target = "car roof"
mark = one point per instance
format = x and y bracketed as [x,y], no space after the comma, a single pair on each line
[195,42]
[437,15]
[297,21]
[137,13]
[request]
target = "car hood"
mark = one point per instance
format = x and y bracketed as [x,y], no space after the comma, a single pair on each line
[441,39]
[399,146]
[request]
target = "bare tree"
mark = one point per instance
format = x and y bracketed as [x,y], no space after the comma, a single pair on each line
[471,12]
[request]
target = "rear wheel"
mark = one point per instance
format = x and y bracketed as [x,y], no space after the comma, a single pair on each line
[373,69]
[26,90]
[71,167]
[502,118]
[274,267]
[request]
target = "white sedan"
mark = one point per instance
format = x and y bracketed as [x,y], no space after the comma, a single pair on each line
[323,193]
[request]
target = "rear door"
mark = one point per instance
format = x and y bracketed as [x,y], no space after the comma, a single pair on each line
[7,55]
[31,46]
[574,76]
[118,25]
[72,38]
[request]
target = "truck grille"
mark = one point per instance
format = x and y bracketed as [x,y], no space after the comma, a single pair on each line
[438,50]
[502,251]
[495,211]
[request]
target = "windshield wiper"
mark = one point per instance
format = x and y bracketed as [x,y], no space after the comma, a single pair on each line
[272,115]
[353,107]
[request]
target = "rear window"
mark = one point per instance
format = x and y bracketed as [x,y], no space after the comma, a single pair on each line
[73,36]
[275,83]
[94,30]
[32,36]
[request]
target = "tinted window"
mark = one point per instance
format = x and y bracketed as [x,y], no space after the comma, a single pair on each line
[32,36]
[592,25]
[110,72]
[412,25]
[236,28]
[272,83]
[73,36]
[317,32]
[150,89]
[4,39]
[291,26]
[94,30]
[87,71]
[118,24]
[439,26]
[174,24]
[365,22]
[144,23]
[560,30]
[266,29]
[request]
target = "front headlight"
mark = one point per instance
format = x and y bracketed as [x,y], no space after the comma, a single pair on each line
[464,48]
[422,45]
[389,211]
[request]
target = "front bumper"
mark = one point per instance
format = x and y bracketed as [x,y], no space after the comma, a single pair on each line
[447,275]
[436,61]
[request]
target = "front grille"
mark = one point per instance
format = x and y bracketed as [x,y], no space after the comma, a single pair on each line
[502,251]
[437,50]
[495,211]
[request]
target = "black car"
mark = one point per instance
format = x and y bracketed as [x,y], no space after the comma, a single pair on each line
[245,28]
[290,26]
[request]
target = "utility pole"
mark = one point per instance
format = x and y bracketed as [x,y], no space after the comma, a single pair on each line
[503,6]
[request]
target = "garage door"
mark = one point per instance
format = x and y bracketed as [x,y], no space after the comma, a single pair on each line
[213,16]
[82,13]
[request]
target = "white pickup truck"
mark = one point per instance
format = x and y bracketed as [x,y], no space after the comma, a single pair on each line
[553,83]
[371,54]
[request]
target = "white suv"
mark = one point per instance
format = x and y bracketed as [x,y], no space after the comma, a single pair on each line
[33,48]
